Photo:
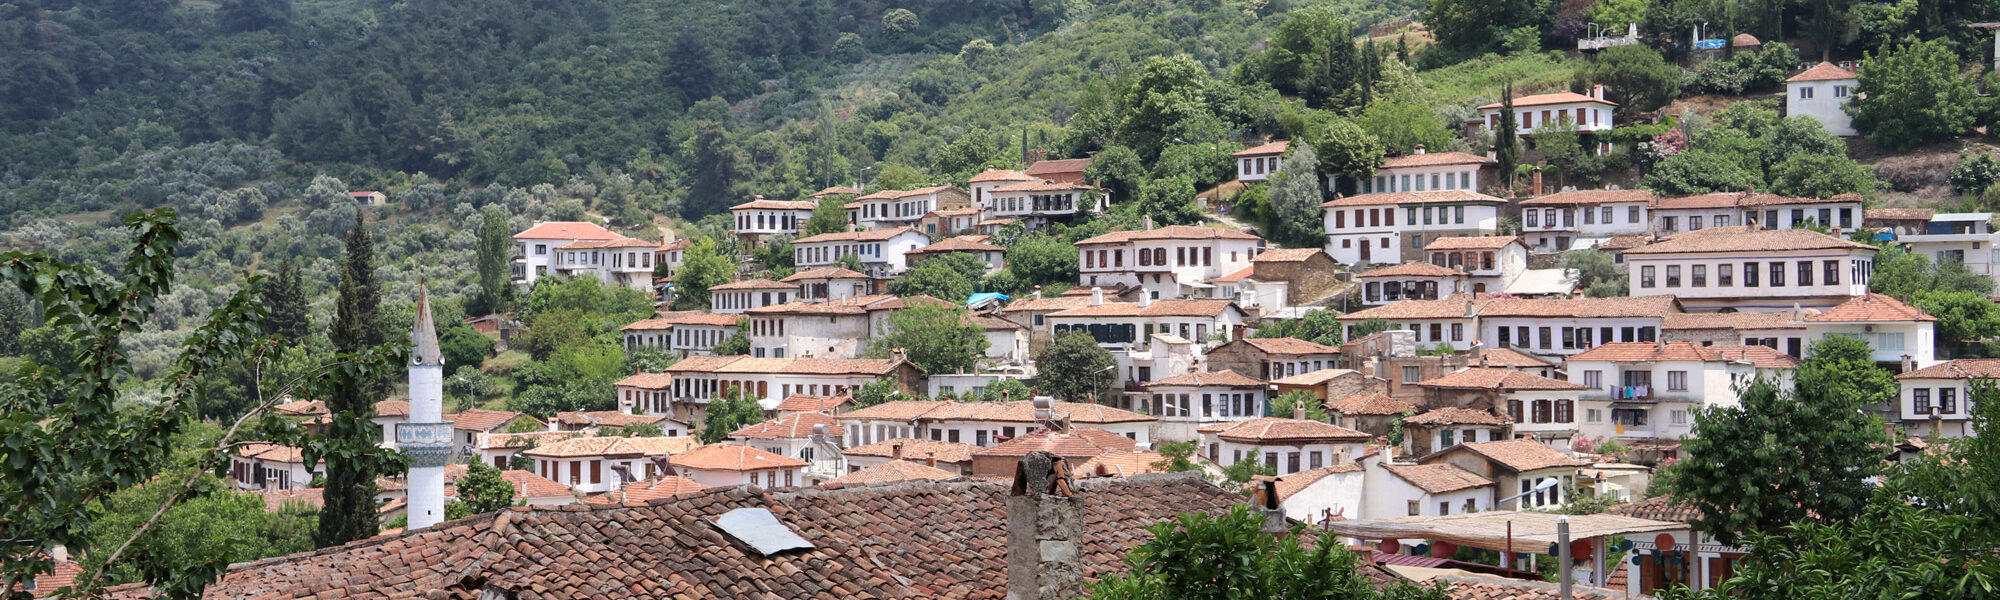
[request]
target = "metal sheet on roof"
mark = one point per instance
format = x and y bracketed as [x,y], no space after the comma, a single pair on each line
[761,530]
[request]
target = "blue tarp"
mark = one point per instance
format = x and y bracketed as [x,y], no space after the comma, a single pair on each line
[985,296]
[1885,236]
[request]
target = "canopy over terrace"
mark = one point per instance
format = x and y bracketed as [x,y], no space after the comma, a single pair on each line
[1533,532]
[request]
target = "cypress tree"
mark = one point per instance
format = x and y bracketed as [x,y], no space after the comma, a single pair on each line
[285,301]
[496,248]
[349,513]
[1506,149]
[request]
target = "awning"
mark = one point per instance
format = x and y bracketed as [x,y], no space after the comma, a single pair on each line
[1533,533]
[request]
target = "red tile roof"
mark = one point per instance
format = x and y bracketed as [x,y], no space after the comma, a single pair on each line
[1741,239]
[1452,415]
[1370,404]
[613,446]
[1413,269]
[872,235]
[605,418]
[272,453]
[666,486]
[1053,303]
[731,457]
[1509,358]
[1437,478]
[791,426]
[837,190]
[1268,430]
[621,242]
[1313,377]
[1078,443]
[1170,232]
[805,403]
[774,205]
[1430,197]
[480,419]
[963,243]
[1824,71]
[1472,242]
[1657,508]
[825,273]
[1435,159]
[1291,485]
[1520,455]
[1040,185]
[767,366]
[1685,351]
[1158,308]
[1498,379]
[1452,307]
[649,381]
[999,175]
[1871,308]
[1962,368]
[1546,99]
[918,449]
[1124,463]
[1286,255]
[753,284]
[1898,214]
[1059,166]
[1591,197]
[1289,346]
[1223,378]
[1618,307]
[567,230]
[894,471]
[1265,149]
[1735,320]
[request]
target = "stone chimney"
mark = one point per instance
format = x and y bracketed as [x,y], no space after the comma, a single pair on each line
[1237,331]
[850,227]
[1299,411]
[1420,149]
[899,354]
[896,451]
[1597,91]
[1044,531]
[1037,294]
[1266,499]
[1537,190]
[1096,296]
[1148,222]
[1909,364]
[930,460]
[1145,299]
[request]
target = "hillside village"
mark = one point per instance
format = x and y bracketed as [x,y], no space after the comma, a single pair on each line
[1493,349]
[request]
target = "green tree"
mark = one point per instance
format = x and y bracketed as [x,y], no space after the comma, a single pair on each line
[349,510]
[1006,390]
[704,267]
[973,151]
[1285,405]
[462,345]
[1636,77]
[1781,457]
[1074,368]
[877,392]
[1118,170]
[1506,138]
[1912,95]
[1347,149]
[1170,98]
[950,277]
[1820,176]
[483,489]
[1201,557]
[727,413]
[217,522]
[1316,326]
[285,298]
[1370,327]
[1239,473]
[1295,199]
[1312,55]
[1169,200]
[1040,259]
[939,338]
[1702,172]
[1963,318]
[1179,457]
[829,216]
[737,344]
[1402,126]
[1906,275]
[1594,272]
[17,316]
[494,253]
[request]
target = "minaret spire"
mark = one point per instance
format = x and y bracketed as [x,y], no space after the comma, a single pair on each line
[427,439]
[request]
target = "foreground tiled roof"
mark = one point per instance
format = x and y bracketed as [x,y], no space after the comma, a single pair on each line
[825,273]
[1521,455]
[917,449]
[894,471]
[1122,463]
[1898,214]
[1618,307]
[1453,415]
[1430,197]
[1589,197]
[731,457]
[1452,307]
[1744,239]
[606,418]
[614,446]
[1289,431]
[1370,404]
[999,175]
[1658,508]
[1510,358]
[805,403]
[1735,320]
[1438,478]
[648,381]
[1413,269]
[791,426]
[1055,166]
[1077,444]
[879,541]
[652,489]
[1223,378]
[1871,308]
[480,419]
[1962,368]
[1289,346]
[1824,71]
[1498,379]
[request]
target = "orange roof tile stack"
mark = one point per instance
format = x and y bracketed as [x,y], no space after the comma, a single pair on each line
[1871,308]
[1430,197]
[917,449]
[567,230]
[1962,368]
[1521,455]
[1824,71]
[791,426]
[652,489]
[1224,378]
[1743,239]
[1265,149]
[731,457]
[1078,443]
[480,419]
[1471,242]
[1453,415]
[1591,197]
[1370,404]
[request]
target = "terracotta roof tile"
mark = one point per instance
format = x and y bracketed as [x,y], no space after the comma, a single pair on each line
[918,449]
[1159,308]
[1452,415]
[805,403]
[1286,255]
[1291,485]
[774,205]
[1313,378]
[1735,320]
[1898,214]
[838,190]
[1452,307]
[1472,242]
[480,419]
[1412,269]
[1546,99]
[999,175]
[613,446]
[502,441]
[1590,197]
[1962,368]
[1685,351]
[1223,378]
[1170,232]
[566,230]
[792,426]
[1486,588]
[873,235]
[526,484]
[1430,197]
[1054,303]
[1657,508]
[1509,358]
[1289,346]
[1040,185]
[1498,379]
[1124,463]
[1434,159]
[688,317]
[605,418]
[1740,239]
[894,471]
[272,453]
[666,486]
[1265,149]
[1370,404]
[1871,308]
[1076,444]
[1623,242]
[275,500]
[815,366]
[1057,166]
[61,575]
[731,457]
[752,284]
[392,408]
[1520,455]
[1277,430]
[1437,478]
[1824,71]
[649,381]
[1618,307]
[963,243]
[825,273]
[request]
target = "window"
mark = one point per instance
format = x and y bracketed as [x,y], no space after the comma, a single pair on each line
[1542,412]
[1458,332]
[1677,381]
[1437,331]
[1921,398]
[1749,274]
[1314,460]
[1721,220]
[1592,415]
[1410,374]
[1889,341]
[1458,215]
[1646,276]
[1631,214]
[1805,273]
[1593,379]
[1548,338]
[952,436]
[1414,511]
[1777,274]
[1832,272]
[1606,212]
[1694,223]
[1724,275]
[1531,216]
[1698,276]
[1678,417]
[1673,276]
[1805,92]
[1947,400]
[1589,217]
[1447,438]
[1840,91]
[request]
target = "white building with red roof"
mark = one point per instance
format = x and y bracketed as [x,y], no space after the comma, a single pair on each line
[1534,113]
[1149,338]
[1171,262]
[1899,336]
[698,379]
[736,297]
[1186,402]
[889,209]
[731,465]
[1752,270]
[1676,214]
[1491,263]
[1258,162]
[792,435]
[624,261]
[1394,227]
[978,246]
[1584,218]
[981,185]
[593,465]
[1418,171]
[1647,391]
[1410,281]
[536,253]
[841,328]
[1820,92]
[881,251]
[681,333]
[1285,446]
[271,467]
[759,219]
[1937,400]
[1042,201]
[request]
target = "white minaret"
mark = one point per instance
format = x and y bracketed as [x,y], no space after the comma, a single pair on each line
[426,438]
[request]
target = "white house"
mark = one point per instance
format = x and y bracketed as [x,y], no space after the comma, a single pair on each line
[1559,327]
[1401,489]
[698,379]
[731,465]
[1672,215]
[1647,391]
[1315,495]
[791,435]
[982,184]
[982,424]
[738,297]
[681,333]
[1131,325]
[1822,92]
[1516,467]
[833,329]
[1964,238]
[976,246]
[625,262]
[1584,218]
[1449,426]
[535,251]
[1420,171]
[1394,227]
[1185,402]
[1257,163]
[1776,330]
[672,254]
[890,209]
[1409,281]
[1286,446]
[271,467]
[1745,269]
[881,251]
[1936,401]
[600,464]
[1039,202]
[1539,407]
[759,219]
[952,458]
[830,283]
[1535,113]
[1899,336]
[1169,262]
[1491,263]
[1450,321]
